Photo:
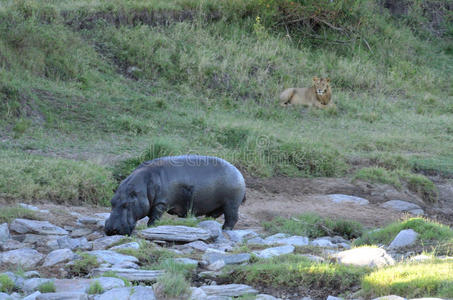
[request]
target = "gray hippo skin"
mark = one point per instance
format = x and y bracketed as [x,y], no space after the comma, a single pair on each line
[204,185]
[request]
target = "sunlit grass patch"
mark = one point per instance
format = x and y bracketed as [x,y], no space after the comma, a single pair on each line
[9,213]
[426,279]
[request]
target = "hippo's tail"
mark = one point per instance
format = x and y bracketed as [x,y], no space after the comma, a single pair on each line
[244,199]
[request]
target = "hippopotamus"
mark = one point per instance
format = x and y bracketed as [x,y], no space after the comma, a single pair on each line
[202,185]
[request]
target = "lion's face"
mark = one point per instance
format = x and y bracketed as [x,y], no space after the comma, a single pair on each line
[322,89]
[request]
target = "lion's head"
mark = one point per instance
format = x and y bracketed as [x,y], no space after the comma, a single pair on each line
[322,89]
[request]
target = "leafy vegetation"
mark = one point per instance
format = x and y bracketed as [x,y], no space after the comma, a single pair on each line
[83,266]
[9,213]
[95,288]
[314,226]
[149,257]
[6,284]
[426,279]
[47,287]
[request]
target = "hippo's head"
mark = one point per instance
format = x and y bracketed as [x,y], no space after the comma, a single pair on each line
[129,204]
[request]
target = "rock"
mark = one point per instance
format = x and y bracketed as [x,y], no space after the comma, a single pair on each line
[228,290]
[321,242]
[238,236]
[197,294]
[404,206]
[216,266]
[265,297]
[404,238]
[33,208]
[62,296]
[25,257]
[175,233]
[131,274]
[198,245]
[283,239]
[131,245]
[421,257]
[106,242]
[4,233]
[4,296]
[228,259]
[313,258]
[88,220]
[186,261]
[80,232]
[274,251]
[126,265]
[112,257]
[31,285]
[340,198]
[58,256]
[73,244]
[142,293]
[109,283]
[103,216]
[94,236]
[214,227]
[11,245]
[256,241]
[333,298]
[32,274]
[38,227]
[129,293]
[32,296]
[365,256]
[390,297]
[79,285]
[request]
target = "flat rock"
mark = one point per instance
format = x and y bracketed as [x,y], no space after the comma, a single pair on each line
[238,236]
[58,256]
[25,257]
[131,245]
[404,238]
[126,265]
[265,297]
[214,227]
[106,242]
[112,257]
[340,198]
[79,285]
[31,274]
[404,206]
[131,274]
[142,293]
[38,227]
[274,251]
[365,256]
[333,298]
[228,290]
[31,285]
[256,241]
[62,296]
[74,243]
[4,232]
[109,283]
[229,259]
[32,296]
[33,208]
[216,266]
[197,245]
[283,239]
[325,243]
[197,294]
[88,220]
[11,244]
[175,233]
[129,293]
[80,232]
[390,297]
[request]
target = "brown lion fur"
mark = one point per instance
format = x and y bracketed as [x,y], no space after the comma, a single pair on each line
[319,95]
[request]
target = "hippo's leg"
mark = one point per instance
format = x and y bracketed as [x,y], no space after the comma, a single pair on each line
[156,212]
[230,213]
[216,213]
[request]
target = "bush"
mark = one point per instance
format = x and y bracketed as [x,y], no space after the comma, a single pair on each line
[82,267]
[47,287]
[95,288]
[6,284]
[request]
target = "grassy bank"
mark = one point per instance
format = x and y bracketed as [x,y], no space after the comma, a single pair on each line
[92,88]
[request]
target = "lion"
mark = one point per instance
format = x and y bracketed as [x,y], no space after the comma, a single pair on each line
[319,95]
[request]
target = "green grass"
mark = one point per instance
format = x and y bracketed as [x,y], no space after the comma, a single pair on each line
[291,271]
[74,121]
[95,288]
[149,257]
[313,226]
[83,266]
[176,280]
[416,280]
[9,213]
[115,275]
[47,287]
[432,235]
[6,284]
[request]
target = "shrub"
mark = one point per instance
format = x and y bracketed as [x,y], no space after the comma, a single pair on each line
[83,266]
[95,288]
[47,287]
[6,284]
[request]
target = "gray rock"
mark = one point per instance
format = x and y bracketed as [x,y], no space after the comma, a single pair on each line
[88,220]
[103,216]
[131,245]
[256,241]
[238,236]
[333,298]
[32,296]
[214,227]
[390,297]
[131,274]
[404,238]
[228,259]
[79,285]
[11,245]
[283,239]
[112,257]
[62,296]
[25,257]
[197,294]
[216,266]
[365,256]
[106,242]
[32,274]
[265,297]
[313,258]
[404,206]
[198,245]
[130,293]
[38,227]
[340,198]
[31,285]
[74,243]
[175,233]
[33,208]
[109,283]
[322,242]
[274,251]
[186,261]
[126,265]
[142,293]
[80,232]
[4,233]
[228,290]
[58,256]
[4,296]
